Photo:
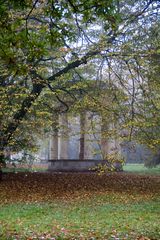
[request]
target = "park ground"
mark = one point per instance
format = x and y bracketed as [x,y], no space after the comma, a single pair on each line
[57,206]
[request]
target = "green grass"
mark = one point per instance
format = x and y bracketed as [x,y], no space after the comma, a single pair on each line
[141,169]
[104,216]
[135,168]
[24,169]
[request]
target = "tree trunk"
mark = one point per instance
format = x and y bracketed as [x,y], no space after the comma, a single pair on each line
[0,174]
[82,135]
[2,163]
[87,137]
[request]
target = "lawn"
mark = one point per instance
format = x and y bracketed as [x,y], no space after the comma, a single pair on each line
[115,206]
[37,167]
[141,169]
[102,217]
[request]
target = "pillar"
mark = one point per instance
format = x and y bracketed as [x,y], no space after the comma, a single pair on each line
[110,145]
[64,137]
[54,139]
[87,137]
[54,146]
[85,150]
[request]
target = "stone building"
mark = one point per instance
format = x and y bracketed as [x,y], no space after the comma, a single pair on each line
[80,137]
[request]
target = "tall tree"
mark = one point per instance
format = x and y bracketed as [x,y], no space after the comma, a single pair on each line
[40,42]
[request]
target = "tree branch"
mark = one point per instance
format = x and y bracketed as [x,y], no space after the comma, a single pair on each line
[36,91]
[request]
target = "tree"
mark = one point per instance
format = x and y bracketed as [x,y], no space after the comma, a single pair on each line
[43,43]
[37,48]
[136,73]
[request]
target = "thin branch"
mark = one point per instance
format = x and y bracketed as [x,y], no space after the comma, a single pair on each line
[29,15]
[63,103]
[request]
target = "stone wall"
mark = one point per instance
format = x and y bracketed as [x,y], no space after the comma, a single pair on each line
[75,165]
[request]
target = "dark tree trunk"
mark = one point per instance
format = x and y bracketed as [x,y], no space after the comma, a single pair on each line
[2,163]
[82,134]
[81,151]
[1,173]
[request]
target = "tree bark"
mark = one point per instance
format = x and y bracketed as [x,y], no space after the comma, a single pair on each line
[21,113]
[82,135]
[2,162]
[1,174]
[87,137]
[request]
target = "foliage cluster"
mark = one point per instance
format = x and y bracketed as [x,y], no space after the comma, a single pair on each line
[58,56]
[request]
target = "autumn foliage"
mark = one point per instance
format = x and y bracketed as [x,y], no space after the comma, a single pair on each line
[40,187]
[38,206]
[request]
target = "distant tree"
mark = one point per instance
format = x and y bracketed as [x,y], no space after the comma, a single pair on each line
[132,66]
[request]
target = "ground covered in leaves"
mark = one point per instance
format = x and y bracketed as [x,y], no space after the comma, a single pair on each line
[79,206]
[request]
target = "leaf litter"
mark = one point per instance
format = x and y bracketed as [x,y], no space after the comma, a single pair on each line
[77,187]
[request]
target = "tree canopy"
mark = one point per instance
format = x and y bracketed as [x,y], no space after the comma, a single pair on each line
[45,47]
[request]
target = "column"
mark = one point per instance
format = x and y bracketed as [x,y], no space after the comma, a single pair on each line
[108,145]
[104,138]
[54,140]
[87,137]
[64,137]
[54,146]
[81,140]
[85,149]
